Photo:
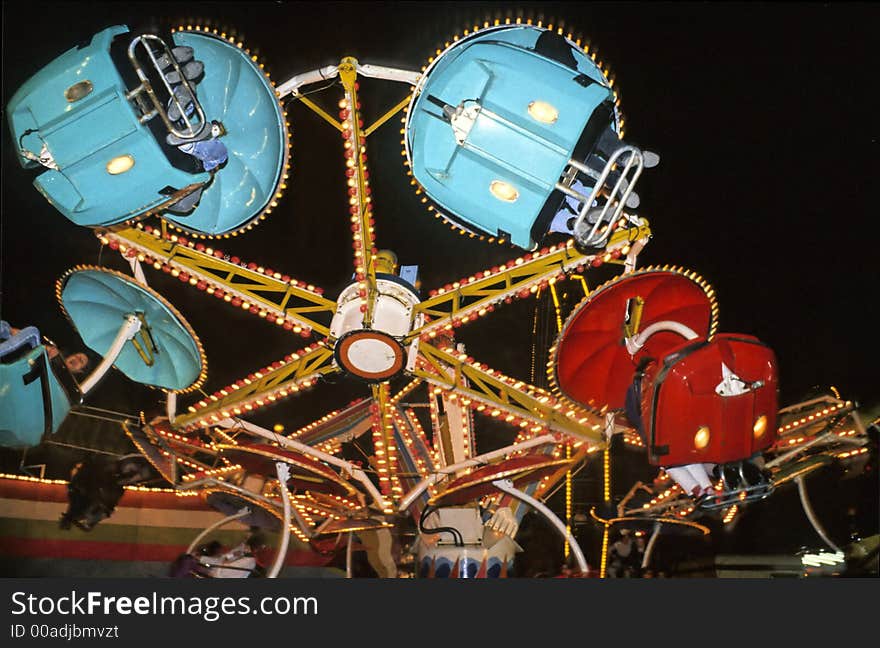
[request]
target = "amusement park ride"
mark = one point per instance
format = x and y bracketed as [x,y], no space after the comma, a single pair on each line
[161,145]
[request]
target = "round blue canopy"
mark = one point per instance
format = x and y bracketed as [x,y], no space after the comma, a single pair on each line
[98,300]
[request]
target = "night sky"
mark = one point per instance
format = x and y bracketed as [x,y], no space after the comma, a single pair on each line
[764,117]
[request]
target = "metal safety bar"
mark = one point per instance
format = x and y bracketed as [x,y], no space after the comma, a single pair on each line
[616,198]
[192,129]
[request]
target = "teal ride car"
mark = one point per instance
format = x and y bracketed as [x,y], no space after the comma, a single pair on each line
[127,126]
[501,121]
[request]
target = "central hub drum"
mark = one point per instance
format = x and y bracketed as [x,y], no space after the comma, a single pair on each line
[374,353]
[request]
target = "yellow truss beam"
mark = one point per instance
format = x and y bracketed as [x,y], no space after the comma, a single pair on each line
[355,153]
[450,370]
[291,377]
[276,297]
[471,299]
[323,114]
[388,115]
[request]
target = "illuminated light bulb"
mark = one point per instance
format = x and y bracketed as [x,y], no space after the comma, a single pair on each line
[760,426]
[503,191]
[120,164]
[543,112]
[701,438]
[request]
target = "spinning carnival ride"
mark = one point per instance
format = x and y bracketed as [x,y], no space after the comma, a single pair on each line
[160,146]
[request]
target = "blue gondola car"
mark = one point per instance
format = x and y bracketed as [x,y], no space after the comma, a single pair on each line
[33,402]
[495,126]
[122,125]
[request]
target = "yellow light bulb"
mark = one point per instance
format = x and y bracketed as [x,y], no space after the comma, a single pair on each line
[701,438]
[760,426]
[503,191]
[120,164]
[543,112]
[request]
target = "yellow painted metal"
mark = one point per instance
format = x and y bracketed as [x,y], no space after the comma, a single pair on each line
[603,565]
[320,112]
[606,496]
[148,345]
[266,389]
[276,297]
[365,239]
[471,298]
[583,281]
[633,317]
[548,486]
[447,370]
[567,548]
[385,262]
[388,115]
[556,306]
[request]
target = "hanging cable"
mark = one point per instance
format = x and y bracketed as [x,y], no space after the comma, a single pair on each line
[459,541]
[87,449]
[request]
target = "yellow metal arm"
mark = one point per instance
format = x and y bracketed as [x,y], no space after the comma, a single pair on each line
[291,377]
[512,400]
[356,164]
[469,300]
[323,114]
[388,115]
[276,298]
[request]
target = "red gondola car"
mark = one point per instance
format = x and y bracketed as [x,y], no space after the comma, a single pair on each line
[709,401]
[699,400]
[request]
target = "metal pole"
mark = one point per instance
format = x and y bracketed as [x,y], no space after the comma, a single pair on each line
[244,511]
[283,475]
[171,406]
[811,515]
[507,486]
[649,548]
[129,328]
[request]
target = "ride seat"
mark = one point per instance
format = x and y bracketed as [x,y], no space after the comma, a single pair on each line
[32,401]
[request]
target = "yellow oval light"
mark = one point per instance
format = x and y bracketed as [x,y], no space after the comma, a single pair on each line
[503,191]
[120,164]
[543,112]
[701,438]
[760,426]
